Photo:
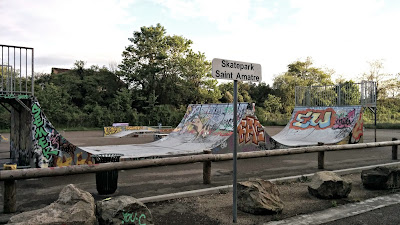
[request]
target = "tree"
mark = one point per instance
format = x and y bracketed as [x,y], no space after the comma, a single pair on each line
[83,97]
[242,95]
[163,70]
[300,73]
[259,92]
[273,104]
[383,80]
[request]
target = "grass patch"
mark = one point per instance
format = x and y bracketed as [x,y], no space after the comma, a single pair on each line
[382,126]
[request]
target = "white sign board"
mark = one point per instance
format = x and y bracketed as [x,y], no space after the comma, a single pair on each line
[235,70]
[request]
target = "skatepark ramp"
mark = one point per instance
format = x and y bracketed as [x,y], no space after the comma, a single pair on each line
[310,126]
[204,126]
[331,114]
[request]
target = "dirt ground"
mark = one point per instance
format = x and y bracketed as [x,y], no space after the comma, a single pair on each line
[217,208]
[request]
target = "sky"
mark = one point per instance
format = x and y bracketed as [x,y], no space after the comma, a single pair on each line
[343,35]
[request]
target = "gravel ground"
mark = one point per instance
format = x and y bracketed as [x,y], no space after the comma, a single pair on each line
[217,208]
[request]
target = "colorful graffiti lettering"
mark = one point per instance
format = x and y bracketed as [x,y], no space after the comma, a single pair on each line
[55,139]
[63,161]
[51,148]
[312,118]
[250,129]
[358,130]
[134,128]
[40,133]
[129,218]
[111,130]
[345,121]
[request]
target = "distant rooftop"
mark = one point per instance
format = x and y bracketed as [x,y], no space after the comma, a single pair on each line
[58,70]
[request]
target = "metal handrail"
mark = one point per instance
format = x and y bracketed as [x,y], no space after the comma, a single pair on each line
[16,64]
[346,94]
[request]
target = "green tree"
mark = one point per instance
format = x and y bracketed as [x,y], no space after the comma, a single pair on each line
[243,94]
[163,70]
[300,73]
[273,104]
[384,81]
[83,97]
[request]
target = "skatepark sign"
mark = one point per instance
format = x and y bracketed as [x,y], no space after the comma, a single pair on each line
[235,70]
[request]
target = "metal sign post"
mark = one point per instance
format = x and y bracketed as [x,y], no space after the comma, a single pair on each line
[243,71]
[234,207]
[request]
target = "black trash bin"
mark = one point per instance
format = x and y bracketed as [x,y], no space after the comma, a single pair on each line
[107,181]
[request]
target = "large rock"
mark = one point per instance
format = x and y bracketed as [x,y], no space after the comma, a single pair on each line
[381,178]
[74,206]
[328,185]
[259,197]
[123,210]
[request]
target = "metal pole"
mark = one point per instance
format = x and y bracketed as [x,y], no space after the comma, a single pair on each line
[26,70]
[376,106]
[20,70]
[33,86]
[375,122]
[13,77]
[8,72]
[2,68]
[234,151]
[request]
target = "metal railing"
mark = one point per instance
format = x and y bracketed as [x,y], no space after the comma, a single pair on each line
[345,94]
[16,71]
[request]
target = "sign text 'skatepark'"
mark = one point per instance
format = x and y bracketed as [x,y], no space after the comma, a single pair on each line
[235,70]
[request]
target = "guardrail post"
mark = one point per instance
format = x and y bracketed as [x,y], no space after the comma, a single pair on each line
[207,169]
[321,157]
[10,191]
[394,150]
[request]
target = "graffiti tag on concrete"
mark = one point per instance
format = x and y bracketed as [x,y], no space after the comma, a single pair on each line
[345,120]
[40,133]
[313,118]
[358,130]
[250,129]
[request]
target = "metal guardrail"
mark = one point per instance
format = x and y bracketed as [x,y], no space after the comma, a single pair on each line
[9,176]
[16,70]
[346,94]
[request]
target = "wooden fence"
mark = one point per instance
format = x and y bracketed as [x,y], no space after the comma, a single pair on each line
[9,176]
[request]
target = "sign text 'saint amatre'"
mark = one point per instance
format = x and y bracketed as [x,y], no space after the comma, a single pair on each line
[234,70]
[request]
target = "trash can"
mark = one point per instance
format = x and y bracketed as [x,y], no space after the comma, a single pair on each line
[107,181]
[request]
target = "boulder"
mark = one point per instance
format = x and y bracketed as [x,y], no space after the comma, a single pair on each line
[74,206]
[258,197]
[381,178]
[123,210]
[328,185]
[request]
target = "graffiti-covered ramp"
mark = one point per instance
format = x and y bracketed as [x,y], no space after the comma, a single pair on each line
[321,125]
[204,126]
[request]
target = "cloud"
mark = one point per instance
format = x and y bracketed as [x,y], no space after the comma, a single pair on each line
[72,29]
[341,34]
